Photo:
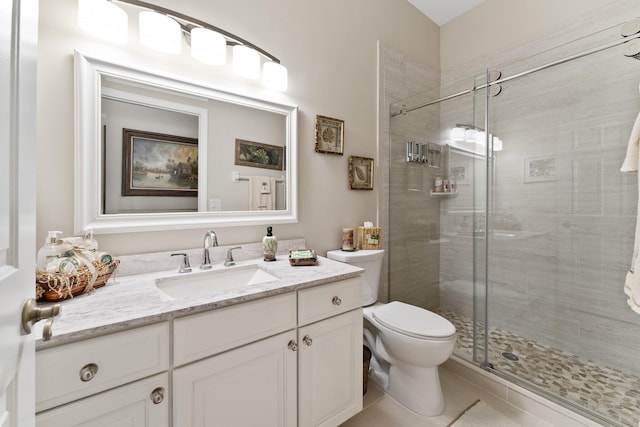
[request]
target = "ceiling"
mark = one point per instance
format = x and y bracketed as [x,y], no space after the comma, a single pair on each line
[443,11]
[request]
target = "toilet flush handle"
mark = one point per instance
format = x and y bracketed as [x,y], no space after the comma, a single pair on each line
[336,300]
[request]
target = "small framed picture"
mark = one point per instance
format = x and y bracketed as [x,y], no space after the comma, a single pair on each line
[258,155]
[329,135]
[460,172]
[156,164]
[360,173]
[540,169]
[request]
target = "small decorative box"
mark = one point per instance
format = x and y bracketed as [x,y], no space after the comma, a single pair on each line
[369,238]
[299,257]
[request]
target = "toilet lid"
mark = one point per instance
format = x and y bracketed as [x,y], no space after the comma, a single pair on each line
[413,321]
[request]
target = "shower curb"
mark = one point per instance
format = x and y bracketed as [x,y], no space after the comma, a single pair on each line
[539,407]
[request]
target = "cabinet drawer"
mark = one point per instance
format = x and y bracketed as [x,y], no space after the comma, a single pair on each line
[202,335]
[116,359]
[129,405]
[329,300]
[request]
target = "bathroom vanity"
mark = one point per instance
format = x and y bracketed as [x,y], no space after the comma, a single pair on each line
[285,352]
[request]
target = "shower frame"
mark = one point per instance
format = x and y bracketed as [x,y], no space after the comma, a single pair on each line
[481,93]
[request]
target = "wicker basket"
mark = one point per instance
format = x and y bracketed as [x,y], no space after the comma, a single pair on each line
[57,286]
[369,238]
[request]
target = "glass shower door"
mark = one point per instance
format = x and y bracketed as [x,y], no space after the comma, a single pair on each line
[561,231]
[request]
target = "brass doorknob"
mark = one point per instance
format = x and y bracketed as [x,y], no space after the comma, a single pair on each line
[32,314]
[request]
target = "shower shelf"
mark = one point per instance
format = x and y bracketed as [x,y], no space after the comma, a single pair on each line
[443,194]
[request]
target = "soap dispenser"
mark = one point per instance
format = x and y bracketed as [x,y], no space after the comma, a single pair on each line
[269,245]
[90,242]
[49,251]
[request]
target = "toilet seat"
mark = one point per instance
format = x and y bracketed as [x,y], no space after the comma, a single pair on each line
[414,321]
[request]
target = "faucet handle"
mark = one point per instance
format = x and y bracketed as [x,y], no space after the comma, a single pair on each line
[229,261]
[185,267]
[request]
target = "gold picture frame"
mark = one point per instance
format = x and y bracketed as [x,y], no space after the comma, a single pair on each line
[360,173]
[329,135]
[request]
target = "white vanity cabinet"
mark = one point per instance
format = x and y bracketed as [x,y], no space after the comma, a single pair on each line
[106,380]
[285,361]
[330,353]
[249,378]
[289,360]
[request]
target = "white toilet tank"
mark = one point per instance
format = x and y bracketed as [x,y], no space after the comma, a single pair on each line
[371,261]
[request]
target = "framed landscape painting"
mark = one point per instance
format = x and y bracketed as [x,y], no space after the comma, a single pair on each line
[155,164]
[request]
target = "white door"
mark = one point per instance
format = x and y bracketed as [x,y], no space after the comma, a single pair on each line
[18,52]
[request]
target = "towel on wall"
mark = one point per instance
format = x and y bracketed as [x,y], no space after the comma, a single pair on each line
[631,164]
[262,193]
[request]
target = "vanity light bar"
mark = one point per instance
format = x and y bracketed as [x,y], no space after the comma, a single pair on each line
[274,74]
[182,17]
[469,133]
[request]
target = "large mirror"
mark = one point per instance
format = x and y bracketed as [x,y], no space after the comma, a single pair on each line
[155,151]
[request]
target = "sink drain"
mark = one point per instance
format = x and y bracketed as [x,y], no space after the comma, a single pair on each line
[510,356]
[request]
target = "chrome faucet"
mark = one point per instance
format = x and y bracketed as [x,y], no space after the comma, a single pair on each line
[229,261]
[185,267]
[210,240]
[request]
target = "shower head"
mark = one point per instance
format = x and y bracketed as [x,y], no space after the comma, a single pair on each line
[632,49]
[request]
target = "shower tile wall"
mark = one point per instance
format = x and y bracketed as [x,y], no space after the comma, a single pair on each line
[411,262]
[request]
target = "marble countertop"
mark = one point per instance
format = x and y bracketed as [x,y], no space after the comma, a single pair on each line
[134,300]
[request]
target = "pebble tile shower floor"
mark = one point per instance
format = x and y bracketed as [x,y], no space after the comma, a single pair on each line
[608,392]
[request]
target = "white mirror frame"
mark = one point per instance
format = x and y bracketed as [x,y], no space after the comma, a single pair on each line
[88,155]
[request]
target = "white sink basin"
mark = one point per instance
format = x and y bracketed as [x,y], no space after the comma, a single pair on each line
[187,285]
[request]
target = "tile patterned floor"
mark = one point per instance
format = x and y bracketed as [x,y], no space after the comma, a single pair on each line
[380,410]
[610,393]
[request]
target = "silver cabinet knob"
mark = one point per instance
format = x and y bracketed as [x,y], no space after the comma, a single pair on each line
[336,300]
[307,340]
[88,372]
[293,346]
[157,395]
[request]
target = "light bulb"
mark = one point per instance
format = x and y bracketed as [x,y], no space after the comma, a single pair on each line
[159,32]
[457,134]
[470,135]
[481,138]
[208,46]
[497,144]
[103,19]
[246,62]
[274,76]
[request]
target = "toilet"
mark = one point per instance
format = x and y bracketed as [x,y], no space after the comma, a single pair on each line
[408,342]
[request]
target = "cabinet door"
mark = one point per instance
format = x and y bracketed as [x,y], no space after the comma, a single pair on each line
[144,403]
[330,370]
[254,385]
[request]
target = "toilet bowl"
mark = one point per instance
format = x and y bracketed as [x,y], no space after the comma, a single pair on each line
[408,342]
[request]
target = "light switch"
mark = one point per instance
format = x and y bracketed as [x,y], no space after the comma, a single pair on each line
[215,204]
